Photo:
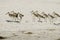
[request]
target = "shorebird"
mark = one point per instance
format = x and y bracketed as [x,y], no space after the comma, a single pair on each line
[15,15]
[20,15]
[40,16]
[45,15]
[52,17]
[56,14]
[34,15]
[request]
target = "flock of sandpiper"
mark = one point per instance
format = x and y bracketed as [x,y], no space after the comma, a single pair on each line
[35,14]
